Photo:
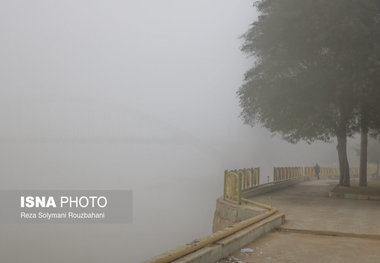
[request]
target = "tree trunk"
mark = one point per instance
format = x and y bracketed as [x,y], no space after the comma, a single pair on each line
[377,169]
[344,168]
[363,149]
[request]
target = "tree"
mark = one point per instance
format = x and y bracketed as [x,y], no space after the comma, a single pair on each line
[303,84]
[366,76]
[373,154]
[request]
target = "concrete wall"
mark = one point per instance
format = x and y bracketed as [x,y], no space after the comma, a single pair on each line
[227,213]
[233,243]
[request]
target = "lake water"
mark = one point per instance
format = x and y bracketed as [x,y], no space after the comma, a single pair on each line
[175,185]
[174,192]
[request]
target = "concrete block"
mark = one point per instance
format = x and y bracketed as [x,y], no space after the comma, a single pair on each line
[246,236]
[227,214]
[350,196]
[363,197]
[208,254]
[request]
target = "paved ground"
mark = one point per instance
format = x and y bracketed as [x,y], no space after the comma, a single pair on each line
[290,247]
[308,207]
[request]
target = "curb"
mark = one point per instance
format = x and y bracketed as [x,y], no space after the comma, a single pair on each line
[327,233]
[227,246]
[333,194]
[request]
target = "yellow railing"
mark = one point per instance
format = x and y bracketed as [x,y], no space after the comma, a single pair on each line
[325,171]
[354,172]
[238,181]
[250,178]
[286,173]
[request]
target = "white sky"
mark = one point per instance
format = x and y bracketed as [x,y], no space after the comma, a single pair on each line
[150,69]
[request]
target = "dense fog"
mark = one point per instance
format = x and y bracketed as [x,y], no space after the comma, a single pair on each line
[137,95]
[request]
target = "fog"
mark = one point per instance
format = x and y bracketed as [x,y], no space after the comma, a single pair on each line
[137,95]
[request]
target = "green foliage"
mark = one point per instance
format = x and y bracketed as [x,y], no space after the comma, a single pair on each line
[316,62]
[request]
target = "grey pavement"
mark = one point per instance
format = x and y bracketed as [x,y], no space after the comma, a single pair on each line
[293,247]
[307,206]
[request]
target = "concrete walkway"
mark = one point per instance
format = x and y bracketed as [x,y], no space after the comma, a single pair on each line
[309,211]
[292,247]
[307,206]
